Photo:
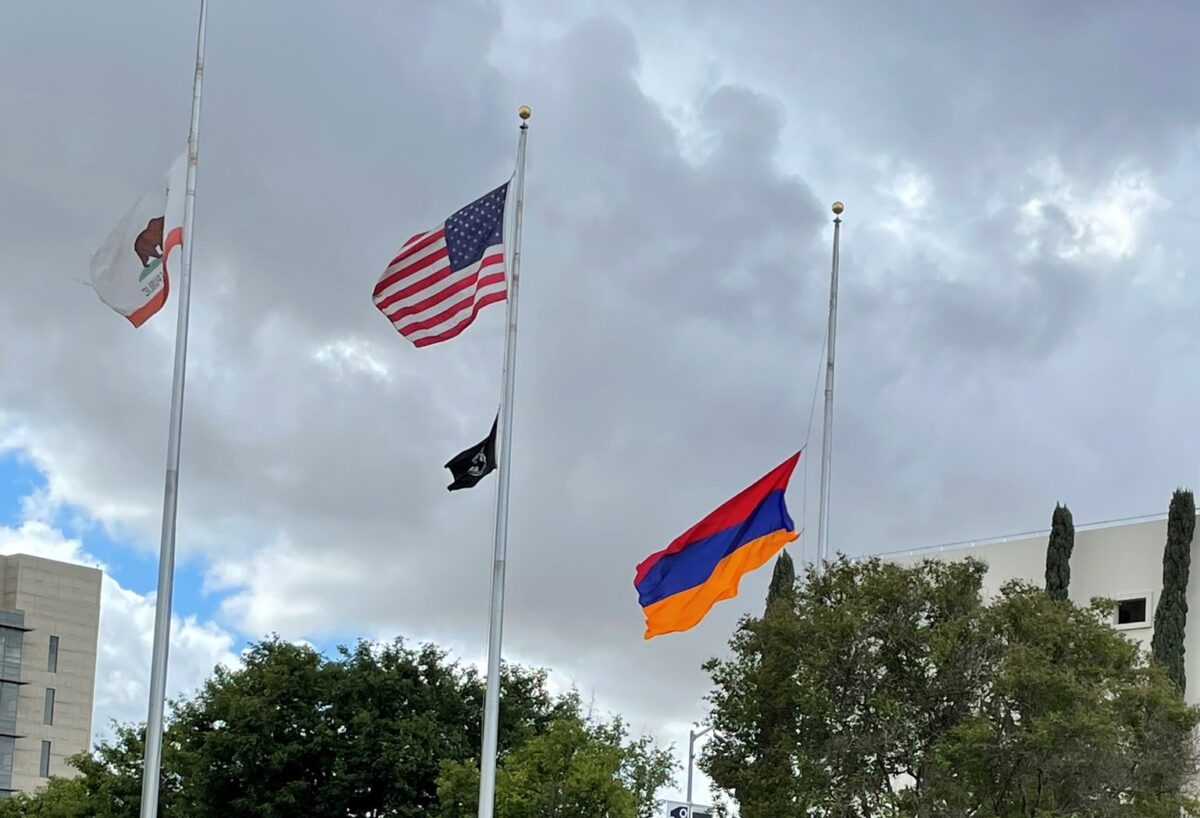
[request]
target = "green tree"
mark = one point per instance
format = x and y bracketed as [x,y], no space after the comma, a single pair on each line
[291,733]
[1170,617]
[578,767]
[766,697]
[911,697]
[112,776]
[783,581]
[1058,553]
[60,798]
[259,740]
[1075,721]
[362,734]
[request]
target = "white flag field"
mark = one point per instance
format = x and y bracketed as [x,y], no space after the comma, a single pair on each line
[132,271]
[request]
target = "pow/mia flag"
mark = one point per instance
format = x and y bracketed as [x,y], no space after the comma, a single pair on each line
[470,465]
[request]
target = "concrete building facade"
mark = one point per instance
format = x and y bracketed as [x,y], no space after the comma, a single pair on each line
[1119,560]
[49,629]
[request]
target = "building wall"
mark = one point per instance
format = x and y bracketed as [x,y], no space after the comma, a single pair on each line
[57,600]
[1117,561]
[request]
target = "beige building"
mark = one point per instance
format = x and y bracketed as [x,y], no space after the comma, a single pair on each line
[49,625]
[1119,560]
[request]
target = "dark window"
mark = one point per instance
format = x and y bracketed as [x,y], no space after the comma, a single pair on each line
[7,744]
[44,770]
[1131,611]
[48,713]
[10,653]
[8,707]
[52,663]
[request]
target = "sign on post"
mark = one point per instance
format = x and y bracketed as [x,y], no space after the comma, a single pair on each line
[678,809]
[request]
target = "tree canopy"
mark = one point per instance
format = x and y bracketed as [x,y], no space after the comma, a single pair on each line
[378,730]
[908,694]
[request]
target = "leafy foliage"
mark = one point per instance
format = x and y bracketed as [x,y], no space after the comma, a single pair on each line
[365,734]
[1058,553]
[61,798]
[577,767]
[907,695]
[1170,617]
[783,581]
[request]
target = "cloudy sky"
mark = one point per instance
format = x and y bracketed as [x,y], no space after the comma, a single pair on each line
[1017,313]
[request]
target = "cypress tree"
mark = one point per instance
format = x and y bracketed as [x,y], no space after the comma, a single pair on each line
[1058,552]
[783,580]
[1170,617]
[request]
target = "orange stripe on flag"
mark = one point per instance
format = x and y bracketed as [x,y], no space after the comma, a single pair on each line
[686,608]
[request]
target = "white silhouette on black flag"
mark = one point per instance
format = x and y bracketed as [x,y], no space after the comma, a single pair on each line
[470,465]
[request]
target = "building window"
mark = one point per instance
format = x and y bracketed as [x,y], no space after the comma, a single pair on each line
[44,769]
[10,653]
[8,707]
[7,746]
[48,712]
[1132,611]
[52,663]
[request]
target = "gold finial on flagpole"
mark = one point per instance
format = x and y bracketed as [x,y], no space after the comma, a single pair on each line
[524,112]
[838,207]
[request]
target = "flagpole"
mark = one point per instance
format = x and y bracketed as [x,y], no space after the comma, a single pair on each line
[166,558]
[827,430]
[491,708]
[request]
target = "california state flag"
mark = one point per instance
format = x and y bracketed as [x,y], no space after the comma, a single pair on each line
[132,271]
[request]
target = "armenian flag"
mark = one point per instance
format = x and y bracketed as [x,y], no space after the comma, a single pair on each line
[678,585]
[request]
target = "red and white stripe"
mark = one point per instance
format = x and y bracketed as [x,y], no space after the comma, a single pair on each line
[426,301]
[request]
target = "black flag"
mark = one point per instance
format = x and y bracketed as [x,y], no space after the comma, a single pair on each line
[470,465]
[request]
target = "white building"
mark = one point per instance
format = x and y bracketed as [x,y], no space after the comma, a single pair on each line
[1119,560]
[49,625]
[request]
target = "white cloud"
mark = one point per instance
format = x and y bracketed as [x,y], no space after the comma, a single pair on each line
[41,540]
[912,190]
[283,589]
[127,633]
[352,355]
[62,464]
[126,645]
[1102,224]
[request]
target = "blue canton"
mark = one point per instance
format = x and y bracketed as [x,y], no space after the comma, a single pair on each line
[478,226]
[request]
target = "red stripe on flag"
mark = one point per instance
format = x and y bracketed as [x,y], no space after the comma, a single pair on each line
[391,278]
[440,261]
[438,275]
[410,241]
[730,513]
[156,302]
[429,282]
[451,311]
[423,239]
[472,282]
[440,264]
[493,298]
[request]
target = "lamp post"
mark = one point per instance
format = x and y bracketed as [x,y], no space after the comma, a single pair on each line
[692,736]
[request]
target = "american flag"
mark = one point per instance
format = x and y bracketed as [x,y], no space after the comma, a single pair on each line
[440,280]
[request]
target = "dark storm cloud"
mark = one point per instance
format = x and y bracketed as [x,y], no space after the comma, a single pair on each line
[1016,316]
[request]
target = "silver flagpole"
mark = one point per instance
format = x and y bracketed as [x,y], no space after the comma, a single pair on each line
[491,708]
[827,431]
[166,557]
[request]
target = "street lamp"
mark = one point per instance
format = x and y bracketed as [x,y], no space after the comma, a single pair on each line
[692,736]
